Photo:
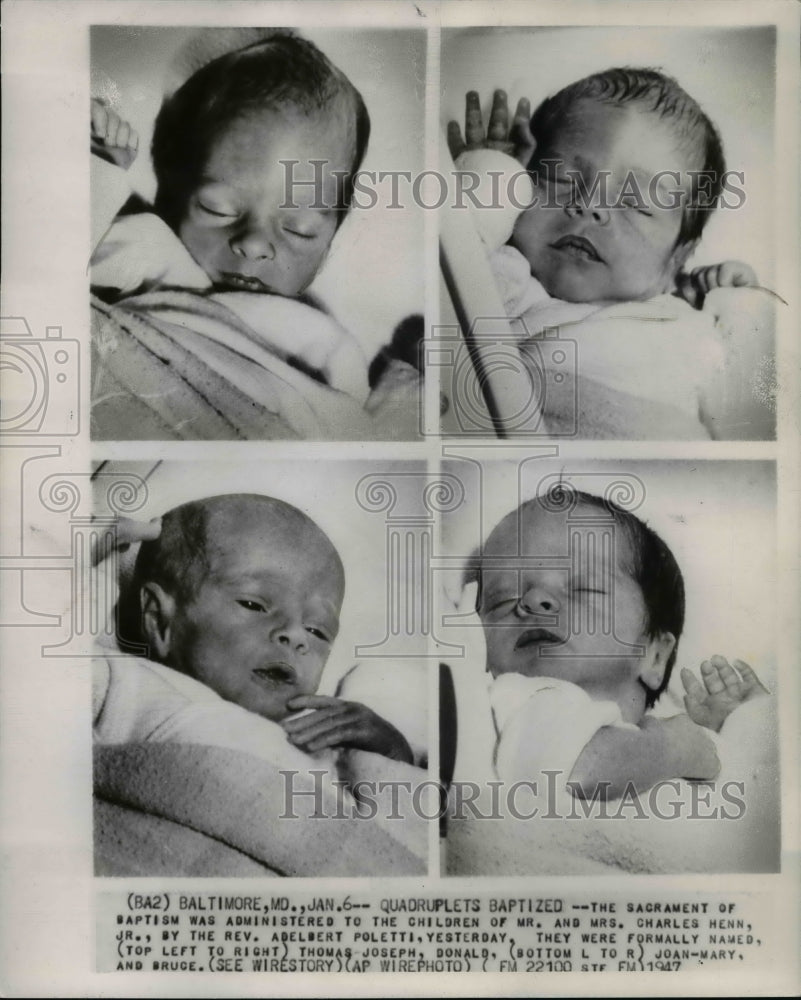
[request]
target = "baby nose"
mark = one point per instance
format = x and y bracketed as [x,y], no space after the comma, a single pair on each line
[597,213]
[292,635]
[538,601]
[253,244]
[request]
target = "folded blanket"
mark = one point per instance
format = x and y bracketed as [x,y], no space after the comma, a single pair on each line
[178,365]
[198,810]
[628,370]
[139,844]
[694,841]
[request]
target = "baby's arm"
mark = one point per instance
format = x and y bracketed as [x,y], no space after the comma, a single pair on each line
[347,724]
[492,165]
[546,723]
[135,252]
[657,750]
[114,146]
[694,286]
[724,689]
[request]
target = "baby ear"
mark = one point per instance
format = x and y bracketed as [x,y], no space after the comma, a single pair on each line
[158,613]
[658,651]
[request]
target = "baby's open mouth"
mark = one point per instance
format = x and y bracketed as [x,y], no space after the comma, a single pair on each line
[229,279]
[276,675]
[536,637]
[577,246]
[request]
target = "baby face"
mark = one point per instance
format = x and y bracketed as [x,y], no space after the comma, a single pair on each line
[260,626]
[238,225]
[595,252]
[563,604]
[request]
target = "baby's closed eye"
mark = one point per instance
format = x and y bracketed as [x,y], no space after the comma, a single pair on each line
[251,605]
[217,201]
[304,224]
[318,633]
[217,213]
[635,203]
[499,605]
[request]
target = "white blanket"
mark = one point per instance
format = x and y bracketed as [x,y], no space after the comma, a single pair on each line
[177,365]
[657,369]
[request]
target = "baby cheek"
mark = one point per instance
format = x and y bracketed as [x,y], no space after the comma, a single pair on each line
[536,229]
[203,243]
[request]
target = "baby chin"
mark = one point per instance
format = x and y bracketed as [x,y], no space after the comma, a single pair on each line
[271,687]
[575,278]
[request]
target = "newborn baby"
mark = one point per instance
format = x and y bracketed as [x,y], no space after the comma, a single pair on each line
[238,601]
[624,170]
[224,220]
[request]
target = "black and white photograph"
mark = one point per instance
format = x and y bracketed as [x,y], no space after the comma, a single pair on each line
[615,692]
[400,462]
[240,275]
[251,688]
[621,186]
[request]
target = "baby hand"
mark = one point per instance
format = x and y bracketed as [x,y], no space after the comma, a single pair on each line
[128,531]
[517,141]
[695,286]
[710,703]
[338,723]
[112,138]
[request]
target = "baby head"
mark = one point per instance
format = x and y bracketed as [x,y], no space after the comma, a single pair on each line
[250,221]
[627,170]
[574,587]
[243,593]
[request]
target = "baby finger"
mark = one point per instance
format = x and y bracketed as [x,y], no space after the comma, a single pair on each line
[750,680]
[343,735]
[693,687]
[123,134]
[474,126]
[730,679]
[306,726]
[499,119]
[521,134]
[711,676]
[99,118]
[701,279]
[456,143]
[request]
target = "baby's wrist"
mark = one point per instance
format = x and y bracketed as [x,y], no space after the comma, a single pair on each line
[675,742]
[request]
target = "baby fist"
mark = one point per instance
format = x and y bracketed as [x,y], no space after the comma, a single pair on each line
[112,139]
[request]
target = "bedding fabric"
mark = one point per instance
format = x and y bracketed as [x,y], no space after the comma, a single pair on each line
[176,365]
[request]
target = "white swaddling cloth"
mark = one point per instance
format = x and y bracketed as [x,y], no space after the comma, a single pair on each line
[543,725]
[616,345]
[138,701]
